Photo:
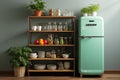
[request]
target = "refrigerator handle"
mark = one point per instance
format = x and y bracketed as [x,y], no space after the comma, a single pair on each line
[91,36]
[86,37]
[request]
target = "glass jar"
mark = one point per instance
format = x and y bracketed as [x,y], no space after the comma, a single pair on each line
[56,41]
[60,27]
[51,12]
[49,27]
[65,40]
[70,40]
[61,41]
[54,27]
[58,12]
[50,38]
[65,26]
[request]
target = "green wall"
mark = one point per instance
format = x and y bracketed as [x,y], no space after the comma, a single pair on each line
[13,26]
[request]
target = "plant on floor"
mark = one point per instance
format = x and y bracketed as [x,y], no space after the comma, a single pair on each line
[37,6]
[19,58]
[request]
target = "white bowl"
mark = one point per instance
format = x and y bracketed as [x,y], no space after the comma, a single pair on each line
[33,55]
[51,67]
[39,66]
[65,55]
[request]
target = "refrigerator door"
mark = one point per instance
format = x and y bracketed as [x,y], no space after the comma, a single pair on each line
[91,26]
[91,58]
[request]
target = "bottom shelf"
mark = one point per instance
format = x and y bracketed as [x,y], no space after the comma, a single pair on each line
[32,70]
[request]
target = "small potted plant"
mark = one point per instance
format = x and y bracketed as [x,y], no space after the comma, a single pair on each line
[93,8]
[37,6]
[19,59]
[84,11]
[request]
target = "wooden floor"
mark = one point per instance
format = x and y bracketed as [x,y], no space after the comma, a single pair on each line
[104,77]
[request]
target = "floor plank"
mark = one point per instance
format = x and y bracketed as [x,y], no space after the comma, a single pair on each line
[104,77]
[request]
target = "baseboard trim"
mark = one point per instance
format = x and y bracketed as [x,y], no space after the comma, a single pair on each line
[11,73]
[112,72]
[6,73]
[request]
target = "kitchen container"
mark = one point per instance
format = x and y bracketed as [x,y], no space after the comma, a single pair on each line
[51,67]
[39,66]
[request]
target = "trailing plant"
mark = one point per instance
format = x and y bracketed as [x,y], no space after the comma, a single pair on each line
[19,56]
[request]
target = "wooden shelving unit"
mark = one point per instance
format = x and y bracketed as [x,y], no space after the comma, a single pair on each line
[72,46]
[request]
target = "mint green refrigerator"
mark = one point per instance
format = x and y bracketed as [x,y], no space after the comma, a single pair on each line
[91,45]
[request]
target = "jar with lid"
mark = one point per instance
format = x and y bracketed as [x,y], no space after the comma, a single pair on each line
[56,40]
[51,12]
[50,38]
[60,27]
[53,54]
[54,26]
[65,26]
[49,27]
[61,41]
[70,40]
[58,12]
[65,40]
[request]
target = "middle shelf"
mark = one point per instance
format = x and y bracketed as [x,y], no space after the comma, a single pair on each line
[51,45]
[51,58]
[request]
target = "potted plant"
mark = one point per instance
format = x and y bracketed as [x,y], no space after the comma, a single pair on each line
[84,11]
[37,6]
[93,9]
[19,59]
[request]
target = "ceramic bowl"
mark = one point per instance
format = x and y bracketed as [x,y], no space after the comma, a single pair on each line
[65,55]
[51,67]
[39,66]
[33,55]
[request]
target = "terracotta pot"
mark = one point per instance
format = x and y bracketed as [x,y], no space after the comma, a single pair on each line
[37,12]
[19,71]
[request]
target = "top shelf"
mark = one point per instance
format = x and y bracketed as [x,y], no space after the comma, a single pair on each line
[55,17]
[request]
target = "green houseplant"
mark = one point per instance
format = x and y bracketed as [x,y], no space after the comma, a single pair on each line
[84,11]
[37,6]
[93,8]
[19,59]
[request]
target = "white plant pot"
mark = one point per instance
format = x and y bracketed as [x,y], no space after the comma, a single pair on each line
[94,13]
[85,14]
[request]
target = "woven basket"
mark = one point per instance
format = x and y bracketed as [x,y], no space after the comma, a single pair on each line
[19,71]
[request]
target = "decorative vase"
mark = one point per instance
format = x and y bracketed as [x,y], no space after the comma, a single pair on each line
[19,71]
[37,12]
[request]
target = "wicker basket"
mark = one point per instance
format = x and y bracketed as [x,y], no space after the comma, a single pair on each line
[19,71]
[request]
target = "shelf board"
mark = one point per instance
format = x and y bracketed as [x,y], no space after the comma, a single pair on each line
[55,17]
[33,70]
[51,58]
[51,45]
[48,31]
